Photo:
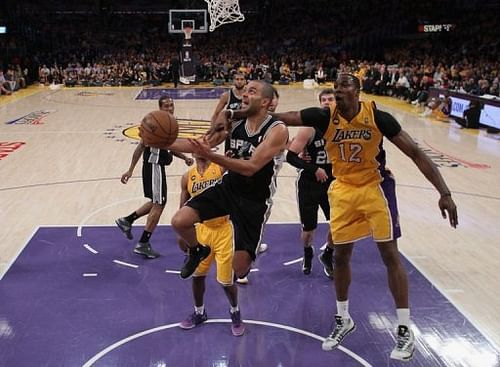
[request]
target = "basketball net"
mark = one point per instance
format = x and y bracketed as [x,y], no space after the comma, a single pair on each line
[187,32]
[224,12]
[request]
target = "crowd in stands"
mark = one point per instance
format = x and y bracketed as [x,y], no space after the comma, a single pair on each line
[81,48]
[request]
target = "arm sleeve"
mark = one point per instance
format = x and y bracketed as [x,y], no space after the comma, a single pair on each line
[294,160]
[387,124]
[316,117]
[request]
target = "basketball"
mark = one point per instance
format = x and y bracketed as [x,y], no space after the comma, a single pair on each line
[158,129]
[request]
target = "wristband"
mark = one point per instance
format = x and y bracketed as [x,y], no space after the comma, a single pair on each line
[446,194]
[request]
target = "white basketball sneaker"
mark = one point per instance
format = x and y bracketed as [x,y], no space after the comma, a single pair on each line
[405,344]
[341,329]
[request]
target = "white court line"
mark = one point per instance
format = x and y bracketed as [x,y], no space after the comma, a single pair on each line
[89,274]
[454,290]
[119,343]
[172,271]
[82,223]
[125,264]
[88,247]
[79,229]
[293,261]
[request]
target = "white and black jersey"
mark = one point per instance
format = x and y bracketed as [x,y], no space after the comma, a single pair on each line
[312,194]
[157,156]
[247,200]
[242,143]
[233,102]
[315,149]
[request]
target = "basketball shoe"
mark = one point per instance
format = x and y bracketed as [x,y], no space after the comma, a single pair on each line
[341,329]
[145,250]
[307,260]
[237,325]
[326,258]
[405,344]
[125,226]
[196,255]
[193,320]
[243,280]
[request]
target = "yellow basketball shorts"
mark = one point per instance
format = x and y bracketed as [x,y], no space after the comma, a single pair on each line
[357,212]
[220,240]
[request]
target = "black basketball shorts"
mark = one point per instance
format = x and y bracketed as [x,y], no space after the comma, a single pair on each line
[154,182]
[248,216]
[311,195]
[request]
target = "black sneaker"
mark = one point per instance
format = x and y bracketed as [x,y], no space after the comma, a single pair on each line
[146,250]
[326,258]
[307,260]
[237,325]
[125,226]
[196,256]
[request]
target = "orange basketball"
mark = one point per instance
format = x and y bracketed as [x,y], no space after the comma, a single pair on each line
[158,129]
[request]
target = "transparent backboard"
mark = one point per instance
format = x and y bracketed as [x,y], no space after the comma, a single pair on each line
[194,18]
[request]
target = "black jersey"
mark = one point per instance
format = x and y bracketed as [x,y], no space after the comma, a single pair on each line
[233,102]
[316,150]
[262,184]
[157,156]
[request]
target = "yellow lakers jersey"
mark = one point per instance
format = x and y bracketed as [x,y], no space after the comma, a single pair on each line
[354,146]
[197,183]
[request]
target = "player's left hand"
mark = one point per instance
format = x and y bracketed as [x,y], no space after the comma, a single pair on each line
[447,205]
[321,175]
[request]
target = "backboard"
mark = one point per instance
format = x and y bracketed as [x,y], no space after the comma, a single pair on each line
[180,18]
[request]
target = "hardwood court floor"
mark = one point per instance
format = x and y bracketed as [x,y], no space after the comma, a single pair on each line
[61,164]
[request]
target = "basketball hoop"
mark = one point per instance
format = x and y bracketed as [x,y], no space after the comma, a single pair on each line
[187,32]
[224,12]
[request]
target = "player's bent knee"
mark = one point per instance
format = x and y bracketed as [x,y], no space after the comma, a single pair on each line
[184,218]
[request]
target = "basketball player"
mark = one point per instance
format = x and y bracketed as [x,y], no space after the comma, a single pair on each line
[263,246]
[155,187]
[231,99]
[315,177]
[362,198]
[217,234]
[246,189]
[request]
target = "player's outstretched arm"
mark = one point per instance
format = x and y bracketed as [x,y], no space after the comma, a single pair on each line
[406,144]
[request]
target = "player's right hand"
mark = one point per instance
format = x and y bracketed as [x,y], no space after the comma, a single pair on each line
[125,177]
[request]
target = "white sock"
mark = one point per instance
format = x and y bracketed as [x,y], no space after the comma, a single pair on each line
[234,309]
[343,309]
[403,316]
[199,310]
